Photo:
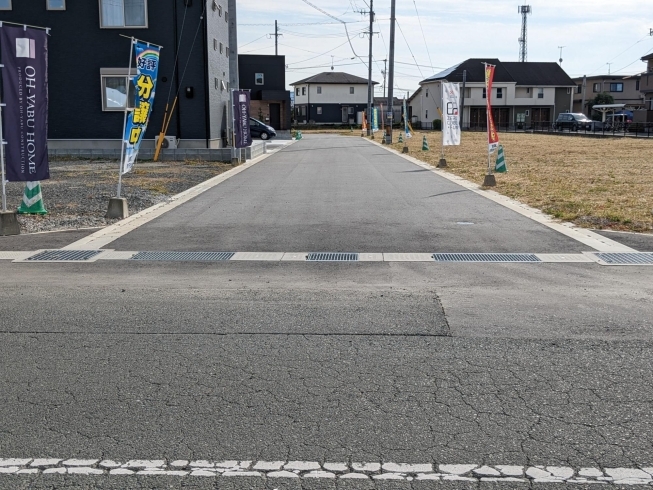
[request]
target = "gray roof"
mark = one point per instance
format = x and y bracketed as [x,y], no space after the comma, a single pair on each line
[334,77]
[528,73]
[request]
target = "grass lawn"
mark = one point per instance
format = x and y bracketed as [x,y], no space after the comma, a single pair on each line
[592,182]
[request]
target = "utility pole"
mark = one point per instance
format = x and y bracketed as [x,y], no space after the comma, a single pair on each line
[391,77]
[609,68]
[385,73]
[370,87]
[276,38]
[582,104]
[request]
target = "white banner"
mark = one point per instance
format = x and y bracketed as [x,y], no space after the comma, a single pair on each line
[451,114]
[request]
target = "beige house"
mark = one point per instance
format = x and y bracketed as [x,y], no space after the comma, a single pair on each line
[624,90]
[646,86]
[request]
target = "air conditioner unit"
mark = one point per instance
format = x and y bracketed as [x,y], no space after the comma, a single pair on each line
[169,142]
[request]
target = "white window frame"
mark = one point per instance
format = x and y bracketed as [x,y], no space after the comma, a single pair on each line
[48,7]
[215,44]
[256,78]
[10,7]
[303,90]
[147,18]
[540,93]
[297,91]
[221,48]
[499,92]
[319,90]
[116,73]
[351,90]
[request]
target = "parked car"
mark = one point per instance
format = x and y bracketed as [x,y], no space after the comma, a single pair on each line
[261,130]
[572,121]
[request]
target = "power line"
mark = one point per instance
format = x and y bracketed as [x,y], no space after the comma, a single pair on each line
[411,51]
[252,42]
[627,49]
[423,36]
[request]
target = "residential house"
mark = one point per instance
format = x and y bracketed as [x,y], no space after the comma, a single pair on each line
[523,94]
[265,76]
[89,67]
[397,107]
[646,86]
[330,98]
[624,90]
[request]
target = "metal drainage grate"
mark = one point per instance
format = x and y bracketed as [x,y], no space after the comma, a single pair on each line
[486,258]
[641,258]
[184,256]
[332,257]
[64,255]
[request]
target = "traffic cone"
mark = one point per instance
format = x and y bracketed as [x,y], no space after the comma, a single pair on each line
[401,138]
[501,161]
[32,202]
[425,144]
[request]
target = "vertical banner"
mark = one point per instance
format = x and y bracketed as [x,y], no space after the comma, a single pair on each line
[451,123]
[408,135]
[242,133]
[375,120]
[147,69]
[493,136]
[25,93]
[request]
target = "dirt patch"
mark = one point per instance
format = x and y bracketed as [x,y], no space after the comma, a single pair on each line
[78,192]
[594,183]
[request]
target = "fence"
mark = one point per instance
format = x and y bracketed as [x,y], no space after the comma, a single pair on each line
[598,129]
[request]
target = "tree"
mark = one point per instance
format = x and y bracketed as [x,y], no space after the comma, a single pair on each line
[602,98]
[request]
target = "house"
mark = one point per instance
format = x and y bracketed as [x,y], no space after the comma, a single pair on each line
[265,76]
[397,107]
[330,98]
[523,94]
[624,90]
[88,63]
[646,86]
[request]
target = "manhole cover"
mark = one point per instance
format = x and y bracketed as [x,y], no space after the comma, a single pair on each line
[184,256]
[332,257]
[64,256]
[485,257]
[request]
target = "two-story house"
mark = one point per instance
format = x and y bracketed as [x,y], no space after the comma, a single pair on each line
[523,94]
[89,67]
[646,86]
[624,90]
[265,77]
[330,98]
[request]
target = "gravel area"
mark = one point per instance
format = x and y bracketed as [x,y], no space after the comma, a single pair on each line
[78,192]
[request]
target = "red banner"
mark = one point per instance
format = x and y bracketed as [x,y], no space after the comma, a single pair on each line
[493,136]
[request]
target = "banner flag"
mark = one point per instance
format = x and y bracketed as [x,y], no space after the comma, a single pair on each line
[147,69]
[242,133]
[25,93]
[375,120]
[408,135]
[493,136]
[451,123]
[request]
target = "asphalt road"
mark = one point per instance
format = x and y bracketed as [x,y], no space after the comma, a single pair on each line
[513,364]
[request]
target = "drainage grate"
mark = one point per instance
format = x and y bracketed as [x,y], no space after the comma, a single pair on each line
[486,258]
[64,256]
[184,256]
[641,258]
[332,257]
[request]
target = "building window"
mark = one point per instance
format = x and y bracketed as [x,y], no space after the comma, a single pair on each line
[427,94]
[499,93]
[297,91]
[56,4]
[226,16]
[319,90]
[426,115]
[579,89]
[259,79]
[351,90]
[303,90]
[303,110]
[5,4]
[616,87]
[540,93]
[221,48]
[215,45]
[220,10]
[485,93]
[636,84]
[351,111]
[226,51]
[596,88]
[123,13]
[319,111]
[217,83]
[528,90]
[115,83]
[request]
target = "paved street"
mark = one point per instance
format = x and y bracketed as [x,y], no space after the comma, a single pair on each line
[260,370]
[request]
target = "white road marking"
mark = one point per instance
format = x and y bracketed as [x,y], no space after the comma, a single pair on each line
[586,237]
[328,470]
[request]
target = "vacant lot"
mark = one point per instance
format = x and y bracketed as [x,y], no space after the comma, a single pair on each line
[595,183]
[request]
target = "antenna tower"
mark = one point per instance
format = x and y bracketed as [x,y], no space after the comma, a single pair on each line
[525,11]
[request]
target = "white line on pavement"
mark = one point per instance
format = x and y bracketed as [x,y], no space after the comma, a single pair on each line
[586,237]
[329,470]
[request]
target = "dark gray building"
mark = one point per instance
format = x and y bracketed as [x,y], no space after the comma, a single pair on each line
[88,67]
[265,76]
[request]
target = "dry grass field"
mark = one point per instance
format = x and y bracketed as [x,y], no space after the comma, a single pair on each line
[594,183]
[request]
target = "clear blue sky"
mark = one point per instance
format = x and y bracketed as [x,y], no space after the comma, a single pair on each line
[594,32]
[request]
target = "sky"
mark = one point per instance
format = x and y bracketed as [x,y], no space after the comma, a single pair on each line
[435,34]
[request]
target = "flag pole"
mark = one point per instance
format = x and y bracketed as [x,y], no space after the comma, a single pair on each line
[2,160]
[490,180]
[124,125]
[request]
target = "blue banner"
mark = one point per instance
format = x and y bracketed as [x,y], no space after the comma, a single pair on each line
[147,69]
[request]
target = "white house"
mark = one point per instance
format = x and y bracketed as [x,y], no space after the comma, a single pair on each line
[330,98]
[523,94]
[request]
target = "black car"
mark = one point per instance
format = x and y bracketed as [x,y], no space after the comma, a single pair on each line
[573,121]
[261,130]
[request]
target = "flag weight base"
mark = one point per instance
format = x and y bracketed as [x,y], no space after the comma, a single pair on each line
[405,148]
[442,163]
[490,181]
[117,208]
[9,223]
